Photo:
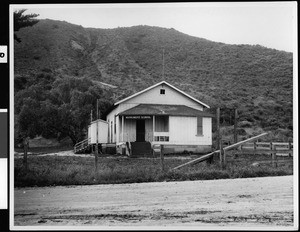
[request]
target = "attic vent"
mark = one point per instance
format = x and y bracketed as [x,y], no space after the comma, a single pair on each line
[162,91]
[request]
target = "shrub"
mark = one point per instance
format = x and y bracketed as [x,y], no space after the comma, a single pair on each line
[244,124]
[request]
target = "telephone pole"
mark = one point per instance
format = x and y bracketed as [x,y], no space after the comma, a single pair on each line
[235,125]
[96,149]
[218,128]
[163,59]
[91,116]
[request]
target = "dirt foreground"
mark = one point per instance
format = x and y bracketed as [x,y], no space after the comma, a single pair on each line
[252,202]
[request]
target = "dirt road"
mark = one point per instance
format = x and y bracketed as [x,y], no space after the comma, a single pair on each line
[250,202]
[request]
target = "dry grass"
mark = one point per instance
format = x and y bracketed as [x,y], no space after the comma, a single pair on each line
[61,170]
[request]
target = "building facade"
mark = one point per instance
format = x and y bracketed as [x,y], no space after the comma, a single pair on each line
[161,114]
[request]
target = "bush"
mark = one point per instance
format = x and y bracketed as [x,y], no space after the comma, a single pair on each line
[244,124]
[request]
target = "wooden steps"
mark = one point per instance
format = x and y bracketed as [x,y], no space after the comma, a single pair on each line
[140,149]
[82,147]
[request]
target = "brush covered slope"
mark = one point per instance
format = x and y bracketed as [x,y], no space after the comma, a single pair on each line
[256,80]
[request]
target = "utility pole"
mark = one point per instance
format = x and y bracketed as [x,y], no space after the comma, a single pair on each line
[163,59]
[96,149]
[218,128]
[91,116]
[235,125]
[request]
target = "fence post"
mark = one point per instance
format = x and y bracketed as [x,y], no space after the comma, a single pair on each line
[273,155]
[26,145]
[254,146]
[235,125]
[290,148]
[224,158]
[221,152]
[153,153]
[162,158]
[96,159]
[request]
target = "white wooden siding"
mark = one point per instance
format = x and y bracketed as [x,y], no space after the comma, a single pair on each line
[149,130]
[171,97]
[102,132]
[118,129]
[111,118]
[183,131]
[130,131]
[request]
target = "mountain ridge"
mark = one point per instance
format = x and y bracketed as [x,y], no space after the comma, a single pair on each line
[256,79]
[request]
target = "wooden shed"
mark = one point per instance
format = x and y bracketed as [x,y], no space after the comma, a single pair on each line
[102,127]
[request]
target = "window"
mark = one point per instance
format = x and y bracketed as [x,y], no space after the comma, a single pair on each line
[162,91]
[162,124]
[161,138]
[199,126]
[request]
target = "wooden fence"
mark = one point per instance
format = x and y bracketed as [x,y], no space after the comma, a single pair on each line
[248,147]
[222,152]
[268,147]
[275,149]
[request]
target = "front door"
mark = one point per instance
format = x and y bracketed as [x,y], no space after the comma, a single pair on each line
[140,130]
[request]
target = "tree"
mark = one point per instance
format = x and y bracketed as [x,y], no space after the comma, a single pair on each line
[21,20]
[57,107]
[70,102]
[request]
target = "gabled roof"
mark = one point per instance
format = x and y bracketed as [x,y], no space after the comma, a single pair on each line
[170,110]
[98,120]
[153,86]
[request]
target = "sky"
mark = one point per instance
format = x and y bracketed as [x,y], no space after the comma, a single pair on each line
[271,25]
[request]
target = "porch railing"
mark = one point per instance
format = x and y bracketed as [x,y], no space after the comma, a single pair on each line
[82,145]
[131,137]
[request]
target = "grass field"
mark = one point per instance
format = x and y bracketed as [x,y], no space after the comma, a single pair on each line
[45,150]
[71,170]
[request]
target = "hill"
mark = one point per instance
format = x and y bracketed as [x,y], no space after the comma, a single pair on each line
[256,80]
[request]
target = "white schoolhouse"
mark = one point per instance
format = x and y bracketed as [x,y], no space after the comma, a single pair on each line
[161,114]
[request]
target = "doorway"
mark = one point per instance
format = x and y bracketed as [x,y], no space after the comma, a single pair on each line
[140,130]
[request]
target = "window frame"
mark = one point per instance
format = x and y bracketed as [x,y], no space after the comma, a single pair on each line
[199,132]
[168,123]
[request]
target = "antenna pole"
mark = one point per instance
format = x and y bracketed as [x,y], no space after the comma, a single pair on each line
[163,71]
[96,149]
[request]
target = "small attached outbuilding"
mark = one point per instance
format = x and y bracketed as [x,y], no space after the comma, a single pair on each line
[102,127]
[161,115]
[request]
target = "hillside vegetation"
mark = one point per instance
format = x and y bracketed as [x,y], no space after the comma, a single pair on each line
[256,80]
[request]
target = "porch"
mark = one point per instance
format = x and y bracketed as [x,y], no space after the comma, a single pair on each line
[142,128]
[162,124]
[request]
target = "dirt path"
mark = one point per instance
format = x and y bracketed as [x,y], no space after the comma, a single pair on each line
[263,202]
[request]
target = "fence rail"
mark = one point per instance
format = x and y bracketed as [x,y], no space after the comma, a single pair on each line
[267,147]
[275,149]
